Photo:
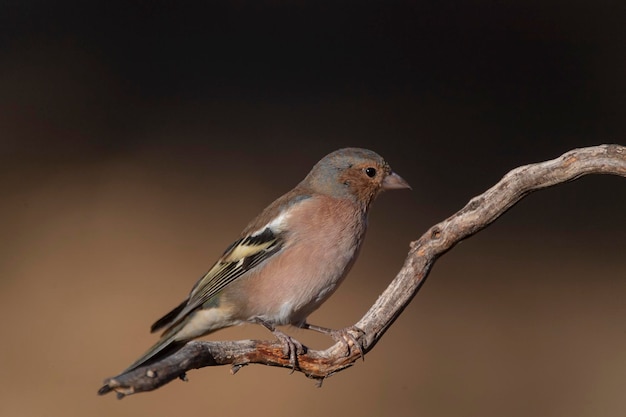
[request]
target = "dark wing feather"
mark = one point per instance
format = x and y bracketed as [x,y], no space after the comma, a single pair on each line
[240,257]
[166,319]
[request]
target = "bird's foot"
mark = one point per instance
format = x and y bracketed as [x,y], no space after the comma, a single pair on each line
[291,347]
[343,336]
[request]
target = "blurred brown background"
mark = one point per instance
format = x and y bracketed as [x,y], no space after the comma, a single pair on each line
[138,138]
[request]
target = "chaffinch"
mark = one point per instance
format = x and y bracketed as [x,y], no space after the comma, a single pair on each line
[288,260]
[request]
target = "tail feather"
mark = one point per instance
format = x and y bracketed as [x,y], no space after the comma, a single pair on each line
[166,346]
[168,318]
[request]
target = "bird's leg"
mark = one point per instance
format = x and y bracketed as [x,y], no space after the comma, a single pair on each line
[342,335]
[291,347]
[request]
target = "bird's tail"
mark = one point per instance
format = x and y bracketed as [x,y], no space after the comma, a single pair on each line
[167,345]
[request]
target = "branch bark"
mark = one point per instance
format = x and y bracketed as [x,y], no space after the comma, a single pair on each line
[477,214]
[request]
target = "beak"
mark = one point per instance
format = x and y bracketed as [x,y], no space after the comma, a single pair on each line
[394,182]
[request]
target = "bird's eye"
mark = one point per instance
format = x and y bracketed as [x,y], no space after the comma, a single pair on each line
[370,172]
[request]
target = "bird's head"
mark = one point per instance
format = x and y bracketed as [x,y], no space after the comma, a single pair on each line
[354,173]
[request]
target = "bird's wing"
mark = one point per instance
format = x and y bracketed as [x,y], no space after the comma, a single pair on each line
[239,258]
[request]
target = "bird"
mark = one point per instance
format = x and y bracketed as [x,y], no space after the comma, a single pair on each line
[288,260]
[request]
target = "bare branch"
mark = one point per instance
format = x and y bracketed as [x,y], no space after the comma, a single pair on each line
[476,215]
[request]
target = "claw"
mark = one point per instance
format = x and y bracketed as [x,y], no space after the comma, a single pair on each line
[291,347]
[235,368]
[343,336]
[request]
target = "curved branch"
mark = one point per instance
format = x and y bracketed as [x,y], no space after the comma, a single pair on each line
[475,216]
